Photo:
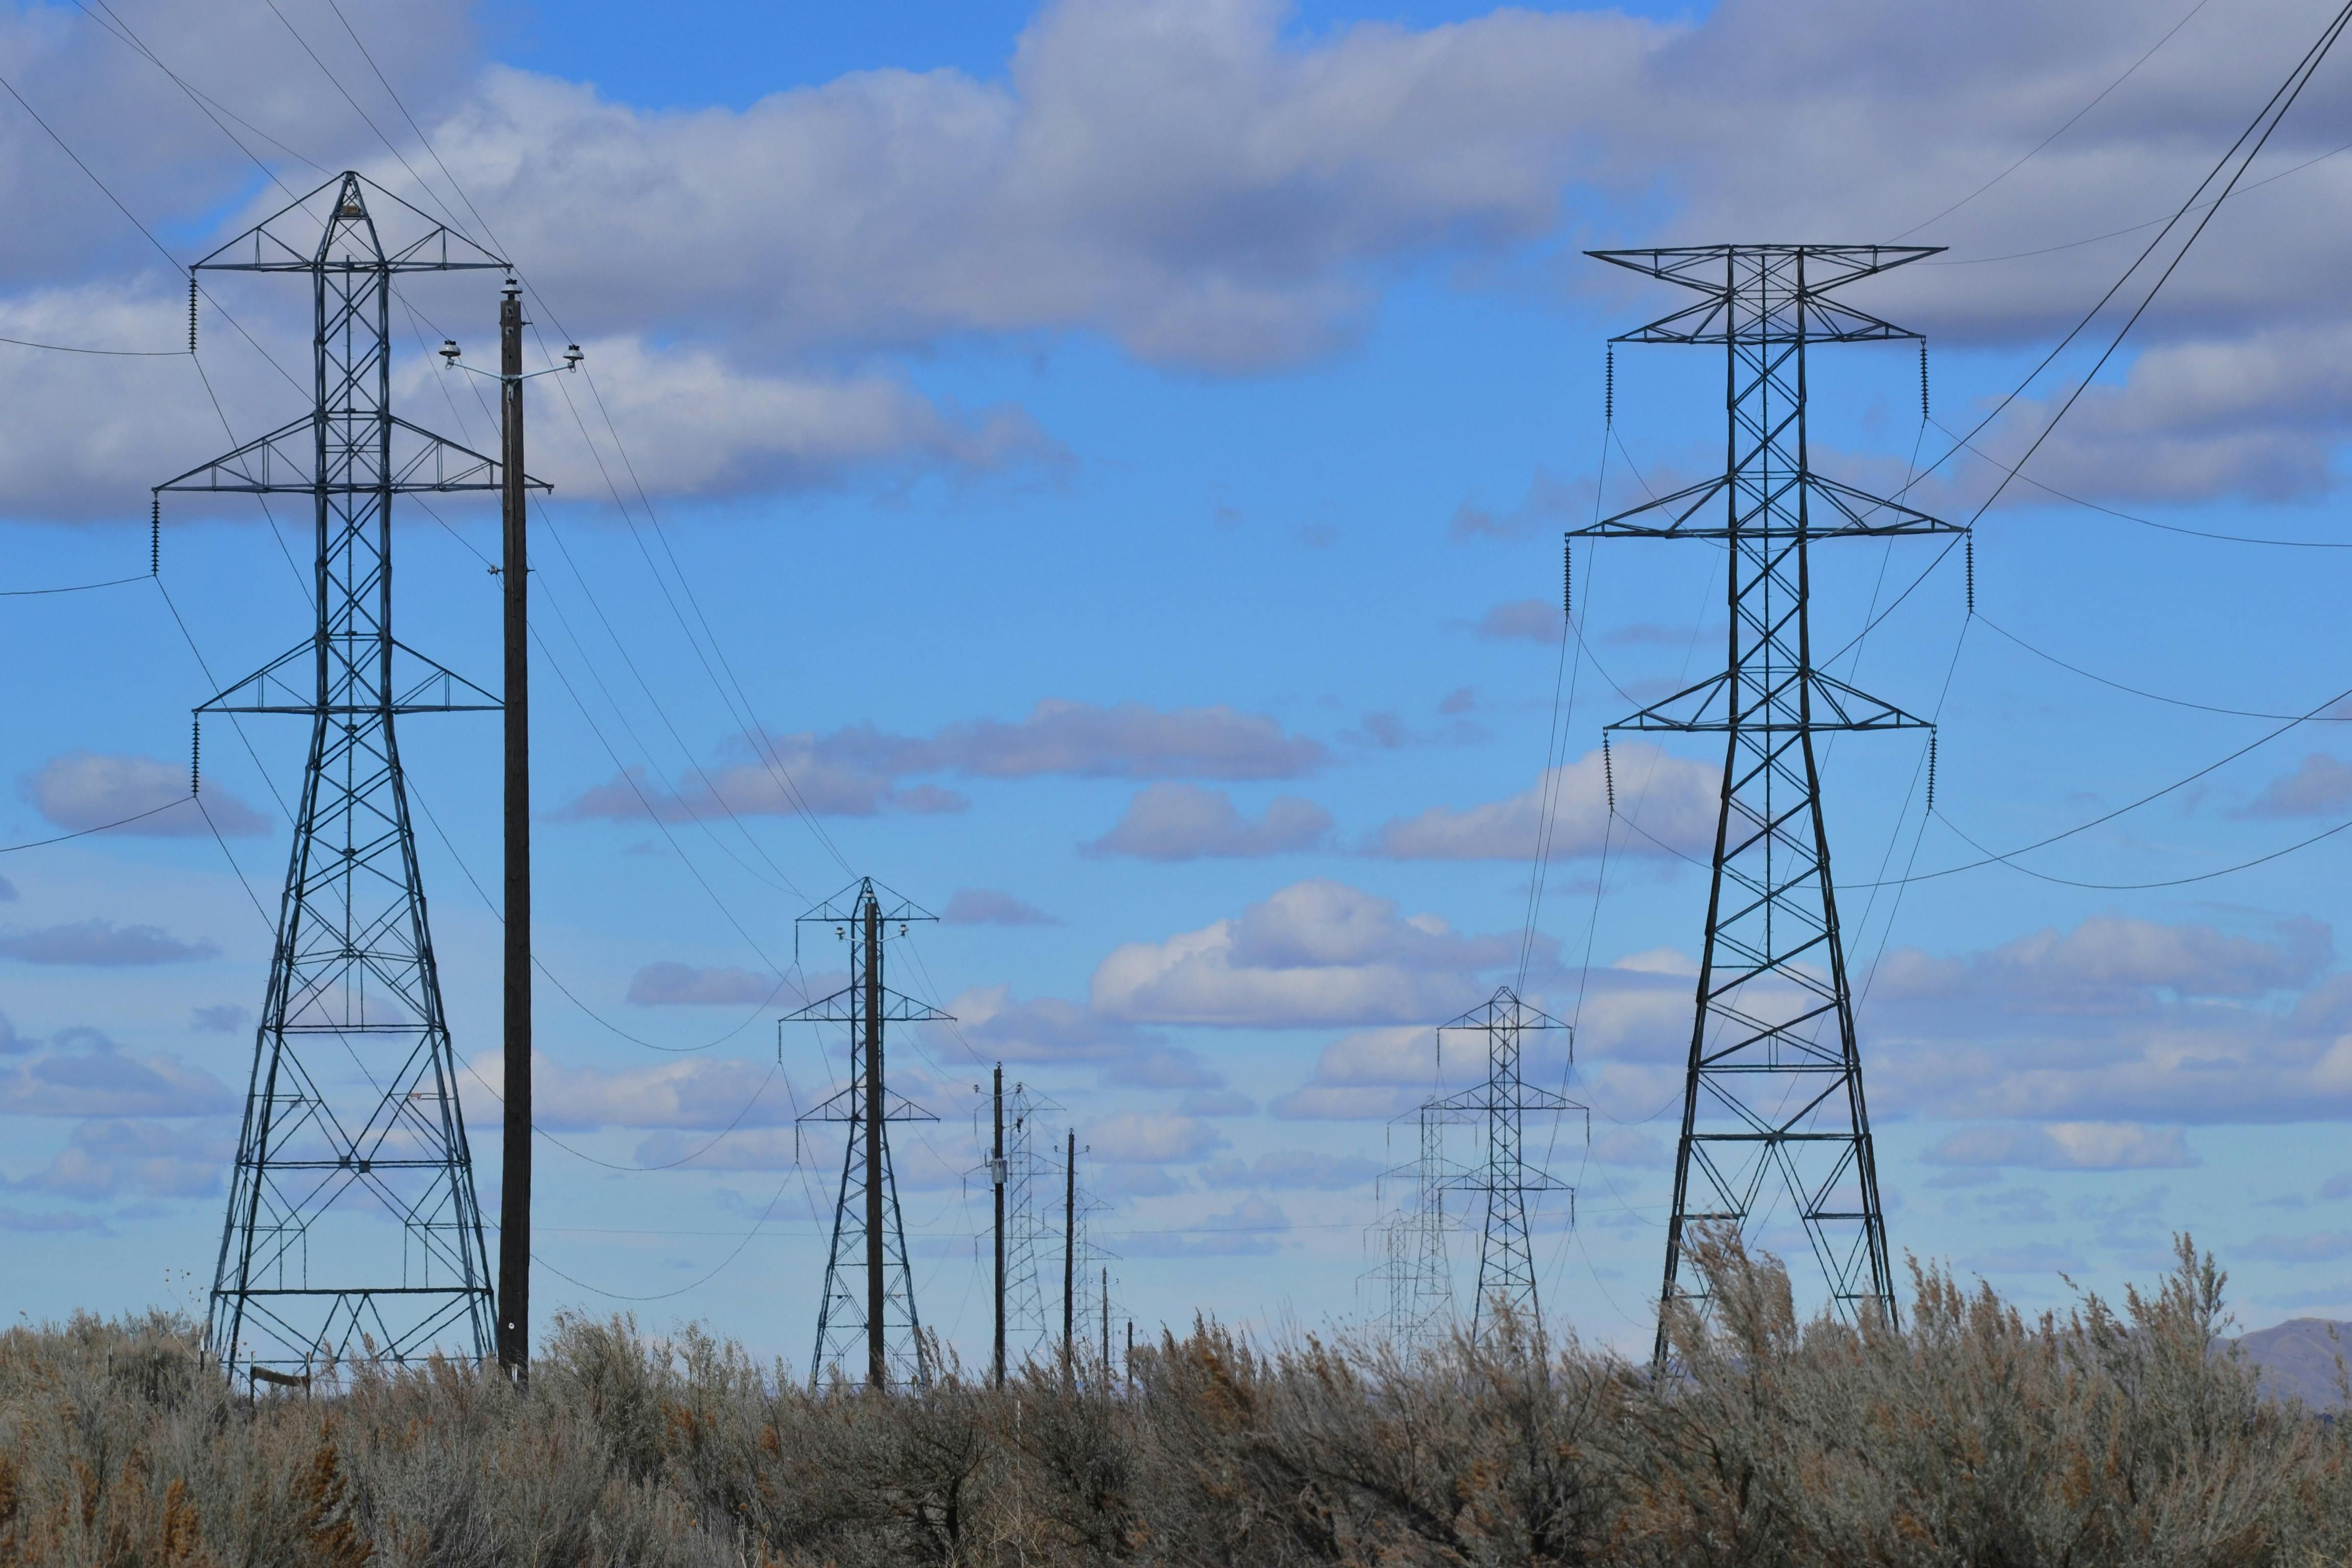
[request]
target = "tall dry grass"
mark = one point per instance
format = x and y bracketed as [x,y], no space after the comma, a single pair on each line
[1973,1435]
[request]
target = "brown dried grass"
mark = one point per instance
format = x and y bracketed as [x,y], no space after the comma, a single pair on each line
[1971,1436]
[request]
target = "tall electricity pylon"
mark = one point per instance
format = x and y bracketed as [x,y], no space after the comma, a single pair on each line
[1773,1090]
[309,1268]
[1498,1107]
[868,1310]
[1031,1183]
[1413,1271]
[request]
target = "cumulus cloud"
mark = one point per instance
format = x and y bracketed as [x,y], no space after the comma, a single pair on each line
[708,427]
[101,943]
[667,984]
[147,1159]
[1210,186]
[1178,176]
[1251,1228]
[1172,821]
[859,770]
[82,789]
[1293,1169]
[2067,1146]
[986,906]
[1316,953]
[2118,1020]
[1042,1028]
[80,1072]
[2319,785]
[1129,1137]
[1673,800]
[1522,620]
[706,1093]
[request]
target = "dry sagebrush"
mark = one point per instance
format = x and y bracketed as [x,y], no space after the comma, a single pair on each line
[1971,1436]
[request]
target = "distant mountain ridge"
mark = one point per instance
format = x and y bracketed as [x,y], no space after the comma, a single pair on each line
[2298,1359]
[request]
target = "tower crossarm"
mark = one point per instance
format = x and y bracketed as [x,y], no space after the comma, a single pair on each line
[288,461]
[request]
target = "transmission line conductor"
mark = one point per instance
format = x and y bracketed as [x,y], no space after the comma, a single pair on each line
[1773,1085]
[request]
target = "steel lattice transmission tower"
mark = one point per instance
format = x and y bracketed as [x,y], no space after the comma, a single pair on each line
[1499,1107]
[866,1314]
[1773,1094]
[1413,1269]
[308,1267]
[1031,1182]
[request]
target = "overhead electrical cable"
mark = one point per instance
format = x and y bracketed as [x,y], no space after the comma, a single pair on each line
[2150,54]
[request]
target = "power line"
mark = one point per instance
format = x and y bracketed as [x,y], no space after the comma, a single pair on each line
[2053,136]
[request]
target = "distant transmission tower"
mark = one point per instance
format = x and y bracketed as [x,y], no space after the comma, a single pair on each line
[308,1270]
[1773,1093]
[867,1313]
[1413,1272]
[1498,1107]
[1032,1181]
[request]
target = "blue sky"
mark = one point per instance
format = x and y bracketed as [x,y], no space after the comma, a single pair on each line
[1121,451]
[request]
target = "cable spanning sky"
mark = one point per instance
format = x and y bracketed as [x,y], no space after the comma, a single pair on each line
[1098,468]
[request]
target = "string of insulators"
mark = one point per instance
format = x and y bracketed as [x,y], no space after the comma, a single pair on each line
[195,754]
[1609,389]
[1608,773]
[1923,380]
[1568,584]
[154,535]
[1931,773]
[192,312]
[1970,554]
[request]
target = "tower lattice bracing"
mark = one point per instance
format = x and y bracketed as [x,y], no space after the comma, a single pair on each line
[1031,1185]
[1502,1175]
[352,1224]
[866,1323]
[1773,1112]
[1414,1270]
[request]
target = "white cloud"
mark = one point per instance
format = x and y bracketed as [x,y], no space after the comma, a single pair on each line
[2067,1146]
[1173,821]
[148,1159]
[81,790]
[1171,172]
[1316,953]
[698,426]
[101,943]
[1521,620]
[702,1093]
[80,1072]
[1250,1228]
[2118,1020]
[1298,1170]
[1129,1137]
[2319,785]
[1042,1028]
[986,906]
[857,771]
[1673,800]
[674,984]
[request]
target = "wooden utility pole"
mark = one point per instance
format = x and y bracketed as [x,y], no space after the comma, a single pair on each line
[514,1191]
[878,1354]
[996,1176]
[1070,1257]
